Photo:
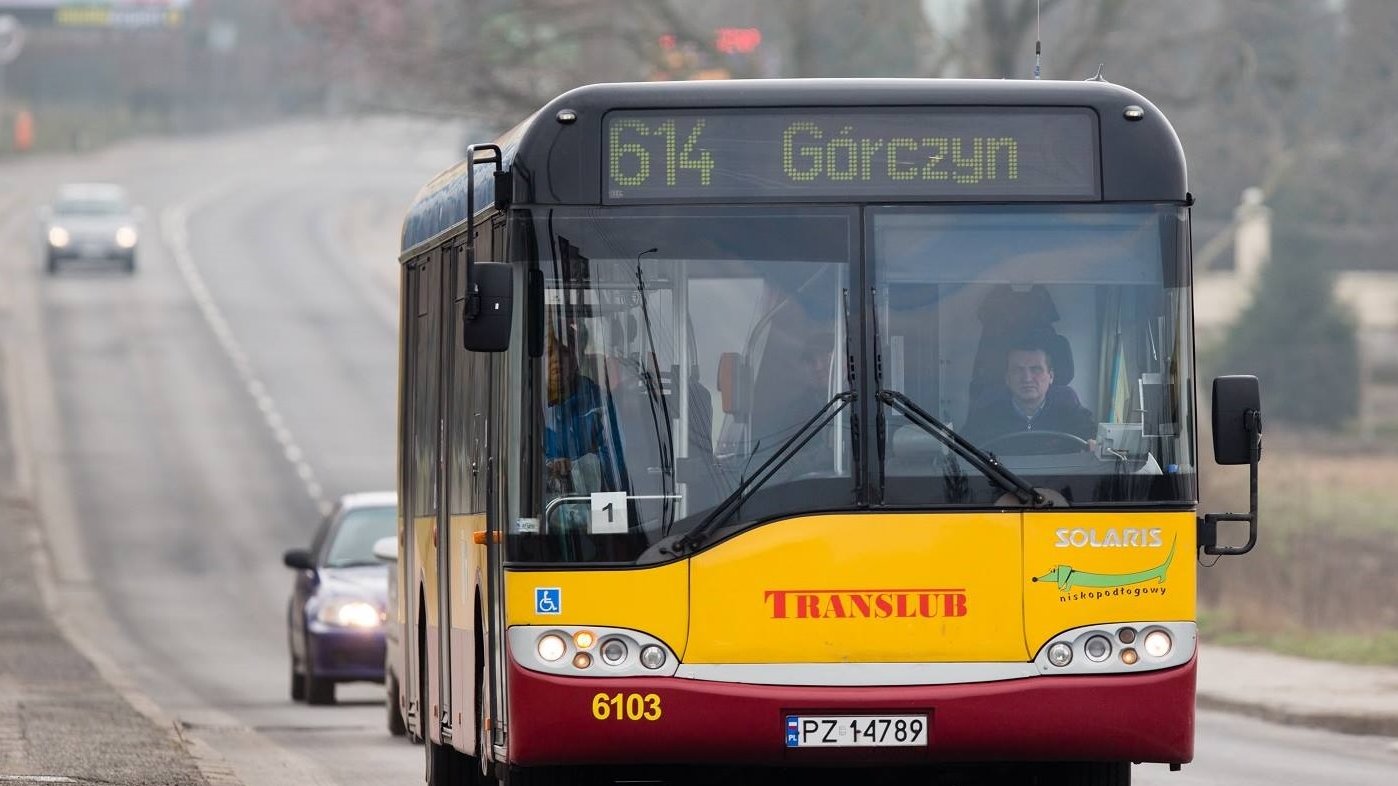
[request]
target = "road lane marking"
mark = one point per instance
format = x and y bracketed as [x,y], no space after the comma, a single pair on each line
[174,225]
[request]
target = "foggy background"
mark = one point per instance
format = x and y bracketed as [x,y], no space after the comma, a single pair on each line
[1293,101]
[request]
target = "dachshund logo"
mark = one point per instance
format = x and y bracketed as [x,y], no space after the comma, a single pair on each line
[1067,577]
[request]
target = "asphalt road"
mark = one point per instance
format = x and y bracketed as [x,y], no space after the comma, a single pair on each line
[184,426]
[191,422]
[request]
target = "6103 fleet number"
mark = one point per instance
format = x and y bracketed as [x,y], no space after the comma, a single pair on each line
[626,706]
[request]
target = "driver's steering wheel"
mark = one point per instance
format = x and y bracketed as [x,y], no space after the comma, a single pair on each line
[1036,443]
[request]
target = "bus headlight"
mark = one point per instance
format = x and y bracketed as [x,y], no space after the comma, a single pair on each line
[58,237]
[1117,648]
[1097,648]
[592,651]
[613,652]
[126,237]
[552,647]
[1158,644]
[350,614]
[652,657]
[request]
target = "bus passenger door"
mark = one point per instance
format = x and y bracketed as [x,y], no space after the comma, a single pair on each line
[419,489]
[497,409]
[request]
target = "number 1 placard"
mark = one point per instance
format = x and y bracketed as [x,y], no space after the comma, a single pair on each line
[609,513]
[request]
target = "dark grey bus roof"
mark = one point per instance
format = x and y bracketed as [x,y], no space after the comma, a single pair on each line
[558,163]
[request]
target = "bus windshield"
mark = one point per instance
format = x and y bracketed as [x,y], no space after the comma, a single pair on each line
[1055,338]
[683,347]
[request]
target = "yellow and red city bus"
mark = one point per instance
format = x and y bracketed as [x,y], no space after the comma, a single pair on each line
[788,423]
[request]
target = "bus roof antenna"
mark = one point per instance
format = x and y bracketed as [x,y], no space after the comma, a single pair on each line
[1038,40]
[1097,77]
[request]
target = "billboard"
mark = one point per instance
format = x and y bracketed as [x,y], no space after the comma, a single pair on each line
[121,14]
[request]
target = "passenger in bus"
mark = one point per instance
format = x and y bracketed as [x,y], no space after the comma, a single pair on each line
[581,444]
[1029,400]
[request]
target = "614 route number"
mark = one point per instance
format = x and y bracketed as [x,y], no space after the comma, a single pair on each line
[626,706]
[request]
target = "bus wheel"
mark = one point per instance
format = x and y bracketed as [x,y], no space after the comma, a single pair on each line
[298,684]
[319,690]
[396,726]
[1087,773]
[444,765]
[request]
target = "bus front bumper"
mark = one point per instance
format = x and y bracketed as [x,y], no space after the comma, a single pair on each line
[1146,717]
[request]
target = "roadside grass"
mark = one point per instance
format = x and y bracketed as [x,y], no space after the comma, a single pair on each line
[1323,579]
[1371,649]
[1309,482]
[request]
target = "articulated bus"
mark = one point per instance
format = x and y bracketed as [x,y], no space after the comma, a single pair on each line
[806,423]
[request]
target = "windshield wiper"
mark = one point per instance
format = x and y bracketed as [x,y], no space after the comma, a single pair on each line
[880,426]
[784,452]
[981,460]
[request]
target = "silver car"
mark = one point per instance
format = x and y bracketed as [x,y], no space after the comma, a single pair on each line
[90,221]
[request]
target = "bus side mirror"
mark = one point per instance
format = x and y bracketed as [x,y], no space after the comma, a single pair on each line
[1237,419]
[489,310]
[732,382]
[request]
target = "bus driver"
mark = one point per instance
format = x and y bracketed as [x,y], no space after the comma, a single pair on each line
[1029,401]
[581,445]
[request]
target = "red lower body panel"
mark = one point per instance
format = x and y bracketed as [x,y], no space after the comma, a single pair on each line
[1136,717]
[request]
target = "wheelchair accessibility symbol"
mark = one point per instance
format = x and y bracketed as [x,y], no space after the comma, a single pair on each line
[548,600]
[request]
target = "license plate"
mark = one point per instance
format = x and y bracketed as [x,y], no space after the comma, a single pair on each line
[855,731]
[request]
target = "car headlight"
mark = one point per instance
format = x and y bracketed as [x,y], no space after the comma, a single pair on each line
[350,614]
[58,237]
[126,237]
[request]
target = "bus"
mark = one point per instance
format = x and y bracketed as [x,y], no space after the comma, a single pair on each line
[799,423]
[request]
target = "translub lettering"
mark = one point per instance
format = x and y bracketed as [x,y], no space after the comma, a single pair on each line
[865,604]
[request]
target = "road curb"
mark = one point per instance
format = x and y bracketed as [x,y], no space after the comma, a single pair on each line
[1353,723]
[216,771]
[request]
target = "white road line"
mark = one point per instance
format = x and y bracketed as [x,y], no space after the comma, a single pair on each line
[175,226]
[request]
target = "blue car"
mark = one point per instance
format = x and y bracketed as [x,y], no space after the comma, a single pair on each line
[339,602]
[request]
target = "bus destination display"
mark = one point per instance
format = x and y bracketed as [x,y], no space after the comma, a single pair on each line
[915,153]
